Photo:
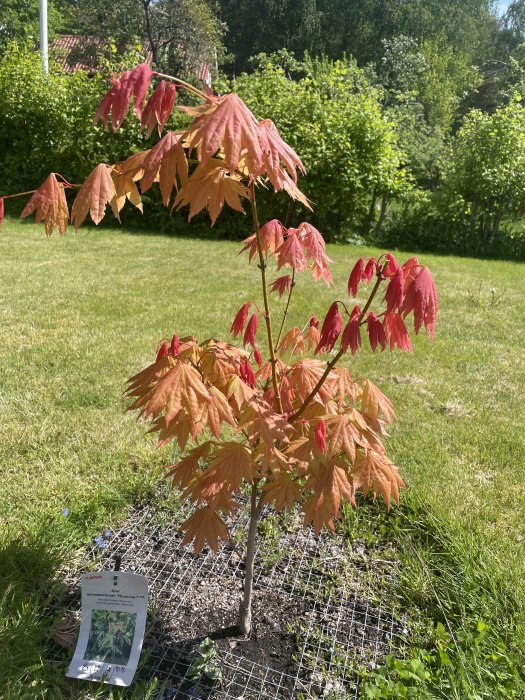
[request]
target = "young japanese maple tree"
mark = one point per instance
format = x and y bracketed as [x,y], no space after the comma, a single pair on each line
[300,430]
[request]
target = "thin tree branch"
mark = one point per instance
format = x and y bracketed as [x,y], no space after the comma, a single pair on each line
[267,316]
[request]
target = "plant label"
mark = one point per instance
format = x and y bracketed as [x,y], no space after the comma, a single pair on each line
[114,610]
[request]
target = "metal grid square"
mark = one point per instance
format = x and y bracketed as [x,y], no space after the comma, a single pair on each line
[332,626]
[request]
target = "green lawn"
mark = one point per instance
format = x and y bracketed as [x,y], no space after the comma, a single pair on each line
[80,314]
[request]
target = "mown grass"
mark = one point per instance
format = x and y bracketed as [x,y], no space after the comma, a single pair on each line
[80,314]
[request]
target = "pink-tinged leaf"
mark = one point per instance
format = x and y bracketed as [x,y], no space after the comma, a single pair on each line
[314,321]
[240,319]
[175,345]
[396,332]
[390,266]
[370,269]
[227,123]
[274,152]
[395,290]
[246,373]
[351,336]
[271,235]
[162,352]
[321,272]
[376,332]
[140,78]
[291,253]
[116,100]
[421,298]
[331,329]
[1,210]
[320,435]
[281,285]
[257,356]
[313,243]
[165,161]
[251,331]
[97,191]
[356,276]
[159,107]
[50,203]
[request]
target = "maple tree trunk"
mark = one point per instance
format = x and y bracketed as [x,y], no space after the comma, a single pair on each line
[245,610]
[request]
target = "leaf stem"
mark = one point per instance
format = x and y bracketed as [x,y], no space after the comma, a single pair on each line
[285,314]
[267,316]
[184,84]
[334,361]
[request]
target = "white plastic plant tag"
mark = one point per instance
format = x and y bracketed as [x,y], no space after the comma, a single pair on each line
[114,610]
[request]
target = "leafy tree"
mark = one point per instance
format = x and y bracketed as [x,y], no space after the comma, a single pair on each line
[180,34]
[488,169]
[352,27]
[304,431]
[19,21]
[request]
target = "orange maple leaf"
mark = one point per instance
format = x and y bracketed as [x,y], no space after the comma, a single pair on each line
[124,175]
[374,472]
[50,203]
[293,340]
[209,187]
[231,463]
[97,191]
[181,387]
[329,482]
[276,151]
[304,376]
[374,402]
[205,525]
[184,471]
[281,490]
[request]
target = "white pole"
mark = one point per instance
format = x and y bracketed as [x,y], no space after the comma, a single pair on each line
[43,35]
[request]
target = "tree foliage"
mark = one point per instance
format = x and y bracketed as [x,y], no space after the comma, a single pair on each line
[180,34]
[488,169]
[352,27]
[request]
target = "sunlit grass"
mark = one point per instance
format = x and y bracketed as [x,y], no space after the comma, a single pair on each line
[80,314]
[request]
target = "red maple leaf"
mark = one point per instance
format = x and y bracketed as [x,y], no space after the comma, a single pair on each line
[331,329]
[251,331]
[356,275]
[159,107]
[396,332]
[240,319]
[351,337]
[395,290]
[376,332]
[281,285]
[421,298]
[116,100]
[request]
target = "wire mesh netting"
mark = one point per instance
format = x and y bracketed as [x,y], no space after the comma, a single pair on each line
[314,620]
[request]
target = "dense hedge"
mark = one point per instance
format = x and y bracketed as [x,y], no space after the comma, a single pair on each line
[423,223]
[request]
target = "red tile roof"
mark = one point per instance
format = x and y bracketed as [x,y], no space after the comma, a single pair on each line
[68,48]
